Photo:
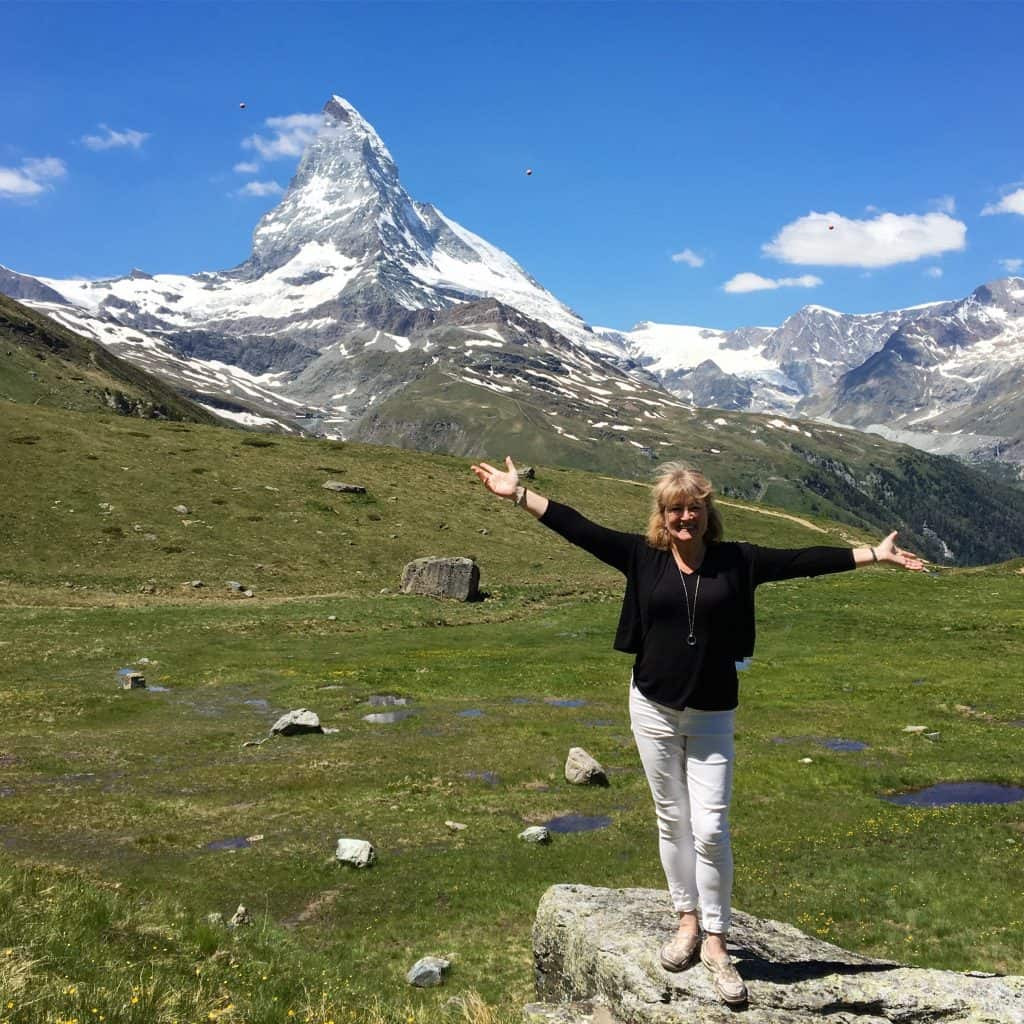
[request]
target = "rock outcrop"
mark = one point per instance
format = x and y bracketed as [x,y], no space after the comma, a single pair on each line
[599,947]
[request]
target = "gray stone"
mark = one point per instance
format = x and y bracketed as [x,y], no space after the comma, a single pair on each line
[182,510]
[240,917]
[233,585]
[298,721]
[585,1012]
[455,826]
[592,943]
[581,769]
[458,578]
[340,488]
[915,728]
[428,972]
[535,834]
[360,853]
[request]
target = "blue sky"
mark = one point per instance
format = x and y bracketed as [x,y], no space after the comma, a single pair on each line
[679,151]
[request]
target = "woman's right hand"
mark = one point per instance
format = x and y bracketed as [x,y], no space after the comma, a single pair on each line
[503,483]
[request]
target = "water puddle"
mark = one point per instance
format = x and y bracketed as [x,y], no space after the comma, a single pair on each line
[258,703]
[598,723]
[386,700]
[557,702]
[948,794]
[491,778]
[6,791]
[154,688]
[578,823]
[470,713]
[388,717]
[839,744]
[520,700]
[234,843]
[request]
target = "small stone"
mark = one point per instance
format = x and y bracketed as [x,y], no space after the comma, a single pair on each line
[806,760]
[484,531]
[428,972]
[233,585]
[933,736]
[332,618]
[581,769]
[535,834]
[182,510]
[254,839]
[328,731]
[196,584]
[359,853]
[292,723]
[915,728]
[254,743]
[340,488]
[240,917]
[455,826]
[248,593]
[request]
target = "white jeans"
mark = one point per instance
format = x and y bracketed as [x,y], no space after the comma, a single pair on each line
[688,758]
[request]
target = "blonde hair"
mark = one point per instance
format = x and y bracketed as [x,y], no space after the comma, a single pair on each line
[678,483]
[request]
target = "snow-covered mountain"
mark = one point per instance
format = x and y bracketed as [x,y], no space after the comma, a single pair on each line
[353,289]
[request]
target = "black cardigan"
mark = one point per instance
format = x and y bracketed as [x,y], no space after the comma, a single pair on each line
[743,566]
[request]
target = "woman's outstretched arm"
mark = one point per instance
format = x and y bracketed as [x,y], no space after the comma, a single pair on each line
[887,551]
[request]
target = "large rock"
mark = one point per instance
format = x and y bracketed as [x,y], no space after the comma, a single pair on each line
[359,853]
[443,577]
[602,945]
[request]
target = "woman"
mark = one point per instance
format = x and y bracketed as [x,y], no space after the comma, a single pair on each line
[688,617]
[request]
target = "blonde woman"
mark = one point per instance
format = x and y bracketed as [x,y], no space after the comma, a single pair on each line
[688,617]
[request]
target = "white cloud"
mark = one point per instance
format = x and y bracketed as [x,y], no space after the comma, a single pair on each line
[260,188]
[111,139]
[1011,266]
[31,178]
[689,257]
[944,204]
[291,136]
[247,167]
[747,282]
[933,272]
[829,239]
[1012,202]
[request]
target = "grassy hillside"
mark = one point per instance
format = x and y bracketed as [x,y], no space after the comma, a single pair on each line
[130,816]
[42,363]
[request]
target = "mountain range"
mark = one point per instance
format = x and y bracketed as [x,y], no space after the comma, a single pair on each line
[363,314]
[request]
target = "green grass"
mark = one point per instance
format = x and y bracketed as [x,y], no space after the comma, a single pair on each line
[112,798]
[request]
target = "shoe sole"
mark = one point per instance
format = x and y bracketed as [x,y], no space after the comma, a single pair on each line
[675,967]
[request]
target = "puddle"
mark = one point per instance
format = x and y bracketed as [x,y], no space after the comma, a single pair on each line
[491,778]
[154,688]
[470,713]
[520,700]
[77,779]
[597,723]
[556,702]
[234,843]
[578,823]
[386,700]
[258,703]
[6,791]
[838,744]
[947,794]
[387,717]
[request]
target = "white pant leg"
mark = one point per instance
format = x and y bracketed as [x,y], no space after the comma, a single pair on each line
[709,767]
[691,782]
[663,755]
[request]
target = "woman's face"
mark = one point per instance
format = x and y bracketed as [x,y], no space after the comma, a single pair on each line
[686,519]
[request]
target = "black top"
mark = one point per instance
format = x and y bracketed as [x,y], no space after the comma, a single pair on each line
[653,621]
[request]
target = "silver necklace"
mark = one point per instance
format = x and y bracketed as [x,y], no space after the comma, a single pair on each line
[690,618]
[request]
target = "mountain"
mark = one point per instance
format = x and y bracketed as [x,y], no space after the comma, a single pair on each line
[41,363]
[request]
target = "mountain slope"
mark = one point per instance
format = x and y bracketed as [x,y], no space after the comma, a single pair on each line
[42,363]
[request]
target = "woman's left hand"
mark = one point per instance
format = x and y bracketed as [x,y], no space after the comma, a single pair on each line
[888,551]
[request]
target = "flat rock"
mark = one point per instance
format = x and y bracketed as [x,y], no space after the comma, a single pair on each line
[602,944]
[342,488]
[457,578]
[293,723]
[428,972]
[360,853]
[535,834]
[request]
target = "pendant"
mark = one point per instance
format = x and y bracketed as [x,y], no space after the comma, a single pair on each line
[691,640]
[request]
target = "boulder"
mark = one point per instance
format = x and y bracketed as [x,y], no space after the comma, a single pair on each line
[602,945]
[357,852]
[458,578]
[581,769]
[298,721]
[340,488]
[428,972]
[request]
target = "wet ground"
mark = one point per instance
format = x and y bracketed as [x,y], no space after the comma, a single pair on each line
[948,794]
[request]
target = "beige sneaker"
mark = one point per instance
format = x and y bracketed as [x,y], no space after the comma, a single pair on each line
[680,952]
[726,979]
